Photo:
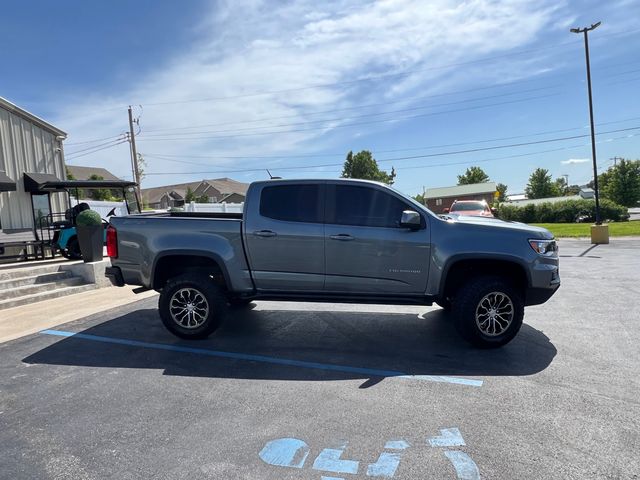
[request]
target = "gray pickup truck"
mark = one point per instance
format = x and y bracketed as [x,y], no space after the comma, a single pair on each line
[335,241]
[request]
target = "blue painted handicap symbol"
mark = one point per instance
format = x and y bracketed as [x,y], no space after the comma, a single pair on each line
[285,452]
[293,453]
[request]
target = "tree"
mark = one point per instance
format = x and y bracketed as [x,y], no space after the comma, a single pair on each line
[142,166]
[572,190]
[190,196]
[420,199]
[561,183]
[473,175]
[363,165]
[99,193]
[501,188]
[540,185]
[202,199]
[622,183]
[78,192]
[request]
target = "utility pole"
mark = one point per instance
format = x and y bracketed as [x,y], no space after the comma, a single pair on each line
[586,31]
[615,160]
[134,158]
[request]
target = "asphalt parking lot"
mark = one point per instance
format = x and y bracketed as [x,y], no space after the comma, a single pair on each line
[317,391]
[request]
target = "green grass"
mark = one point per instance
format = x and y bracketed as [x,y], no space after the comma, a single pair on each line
[620,229]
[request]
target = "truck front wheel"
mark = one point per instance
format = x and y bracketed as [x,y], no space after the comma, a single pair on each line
[488,311]
[191,306]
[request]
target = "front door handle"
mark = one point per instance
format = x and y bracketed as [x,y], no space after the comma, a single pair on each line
[264,233]
[344,237]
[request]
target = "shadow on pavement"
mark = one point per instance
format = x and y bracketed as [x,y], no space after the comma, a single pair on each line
[415,344]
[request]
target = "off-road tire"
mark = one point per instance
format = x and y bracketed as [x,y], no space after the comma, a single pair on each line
[216,305]
[466,304]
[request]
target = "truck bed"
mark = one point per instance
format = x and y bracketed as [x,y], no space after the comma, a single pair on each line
[221,215]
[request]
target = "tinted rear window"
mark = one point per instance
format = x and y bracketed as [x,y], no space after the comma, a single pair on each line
[292,203]
[467,207]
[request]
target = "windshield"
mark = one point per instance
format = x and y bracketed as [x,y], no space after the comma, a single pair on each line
[467,206]
[411,200]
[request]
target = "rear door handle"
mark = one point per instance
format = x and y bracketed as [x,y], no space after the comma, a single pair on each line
[344,237]
[264,233]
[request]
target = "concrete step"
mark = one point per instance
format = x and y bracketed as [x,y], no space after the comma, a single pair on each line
[40,287]
[33,280]
[47,295]
[31,271]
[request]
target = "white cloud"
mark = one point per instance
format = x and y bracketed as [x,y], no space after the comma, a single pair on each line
[259,46]
[575,161]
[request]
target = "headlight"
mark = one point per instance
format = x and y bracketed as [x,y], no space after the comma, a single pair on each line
[547,248]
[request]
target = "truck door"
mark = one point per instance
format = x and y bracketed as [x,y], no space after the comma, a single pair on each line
[365,248]
[284,234]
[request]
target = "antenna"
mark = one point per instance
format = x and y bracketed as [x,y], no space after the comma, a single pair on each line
[271,177]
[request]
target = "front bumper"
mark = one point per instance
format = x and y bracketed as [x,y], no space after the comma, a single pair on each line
[114,274]
[547,283]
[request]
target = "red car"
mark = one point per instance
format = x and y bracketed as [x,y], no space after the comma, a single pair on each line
[477,208]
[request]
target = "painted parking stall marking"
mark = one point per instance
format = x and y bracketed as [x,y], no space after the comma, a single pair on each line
[292,453]
[371,372]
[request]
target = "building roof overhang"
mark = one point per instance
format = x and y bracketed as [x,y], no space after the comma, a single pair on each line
[46,182]
[6,184]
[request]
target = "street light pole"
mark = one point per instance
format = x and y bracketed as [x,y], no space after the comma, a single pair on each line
[586,31]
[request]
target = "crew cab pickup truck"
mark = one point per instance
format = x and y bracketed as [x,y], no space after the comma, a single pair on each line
[335,241]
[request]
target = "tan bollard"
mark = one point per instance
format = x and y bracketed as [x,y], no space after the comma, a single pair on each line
[599,234]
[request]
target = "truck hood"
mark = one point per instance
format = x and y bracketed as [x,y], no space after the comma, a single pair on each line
[535,232]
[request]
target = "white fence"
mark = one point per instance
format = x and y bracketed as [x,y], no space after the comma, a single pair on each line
[214,207]
[103,207]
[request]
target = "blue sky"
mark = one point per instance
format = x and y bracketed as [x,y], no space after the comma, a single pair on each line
[232,88]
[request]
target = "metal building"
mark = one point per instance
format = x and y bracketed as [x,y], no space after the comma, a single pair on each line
[28,144]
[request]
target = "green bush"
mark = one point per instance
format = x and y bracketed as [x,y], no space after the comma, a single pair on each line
[88,218]
[566,211]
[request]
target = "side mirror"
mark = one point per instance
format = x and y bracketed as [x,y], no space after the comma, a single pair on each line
[410,219]
[445,210]
[494,210]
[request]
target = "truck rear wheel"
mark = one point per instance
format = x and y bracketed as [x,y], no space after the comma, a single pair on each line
[191,306]
[488,311]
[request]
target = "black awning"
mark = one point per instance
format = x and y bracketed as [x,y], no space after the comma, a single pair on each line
[6,184]
[45,182]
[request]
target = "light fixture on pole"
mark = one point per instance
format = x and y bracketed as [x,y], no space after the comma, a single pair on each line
[586,31]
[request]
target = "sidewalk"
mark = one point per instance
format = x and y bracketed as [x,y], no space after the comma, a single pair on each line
[27,319]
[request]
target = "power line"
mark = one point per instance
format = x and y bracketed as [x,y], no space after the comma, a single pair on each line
[94,140]
[367,115]
[349,124]
[429,155]
[628,80]
[369,105]
[433,165]
[538,152]
[186,135]
[96,150]
[427,147]
[122,137]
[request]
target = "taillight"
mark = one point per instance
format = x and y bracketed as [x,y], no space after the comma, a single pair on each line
[112,242]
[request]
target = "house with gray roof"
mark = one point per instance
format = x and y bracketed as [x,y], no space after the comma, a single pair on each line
[218,190]
[85,173]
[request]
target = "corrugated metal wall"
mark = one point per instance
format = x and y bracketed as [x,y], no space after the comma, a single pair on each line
[25,147]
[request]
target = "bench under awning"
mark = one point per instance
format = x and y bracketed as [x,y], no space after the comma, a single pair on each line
[6,184]
[46,182]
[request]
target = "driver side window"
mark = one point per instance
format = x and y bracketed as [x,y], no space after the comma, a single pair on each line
[366,207]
